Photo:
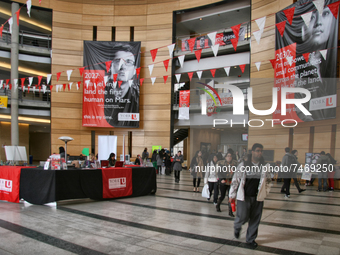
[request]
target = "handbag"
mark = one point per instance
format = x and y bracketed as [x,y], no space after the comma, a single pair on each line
[205,191]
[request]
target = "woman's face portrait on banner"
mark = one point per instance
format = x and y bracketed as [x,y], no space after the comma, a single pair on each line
[320,26]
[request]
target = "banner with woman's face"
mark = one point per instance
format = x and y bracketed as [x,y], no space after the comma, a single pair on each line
[111,86]
[306,57]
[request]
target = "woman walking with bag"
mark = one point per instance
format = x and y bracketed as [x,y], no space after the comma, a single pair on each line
[196,168]
[178,160]
[211,178]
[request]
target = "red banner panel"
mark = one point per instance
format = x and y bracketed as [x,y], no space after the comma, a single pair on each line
[184,98]
[10,183]
[117,182]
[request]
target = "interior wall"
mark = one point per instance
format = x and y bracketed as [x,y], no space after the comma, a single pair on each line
[40,146]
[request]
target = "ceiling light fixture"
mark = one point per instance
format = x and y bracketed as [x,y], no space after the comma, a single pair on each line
[8,117]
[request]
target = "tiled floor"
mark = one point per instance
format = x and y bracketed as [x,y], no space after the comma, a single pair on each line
[174,221]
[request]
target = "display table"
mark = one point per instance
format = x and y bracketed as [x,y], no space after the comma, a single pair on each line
[38,186]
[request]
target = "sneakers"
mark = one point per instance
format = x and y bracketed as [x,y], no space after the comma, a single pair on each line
[215,203]
[331,189]
[301,190]
[287,196]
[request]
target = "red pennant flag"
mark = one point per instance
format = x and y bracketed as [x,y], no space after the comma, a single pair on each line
[1,28]
[78,84]
[64,86]
[68,86]
[39,2]
[22,81]
[306,56]
[213,72]
[39,80]
[165,77]
[334,8]
[191,43]
[141,81]
[10,86]
[166,64]
[198,54]
[120,83]
[18,13]
[153,54]
[115,77]
[242,67]
[289,14]
[108,65]
[39,89]
[273,62]
[236,30]
[81,70]
[138,71]
[51,87]
[234,41]
[7,81]
[281,27]
[58,76]
[28,89]
[191,73]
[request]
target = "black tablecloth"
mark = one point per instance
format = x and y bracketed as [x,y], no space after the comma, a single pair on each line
[38,186]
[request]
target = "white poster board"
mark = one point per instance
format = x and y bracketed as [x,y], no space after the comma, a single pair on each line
[16,153]
[106,145]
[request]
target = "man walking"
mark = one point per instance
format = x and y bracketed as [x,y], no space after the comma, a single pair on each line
[250,185]
[322,163]
[289,164]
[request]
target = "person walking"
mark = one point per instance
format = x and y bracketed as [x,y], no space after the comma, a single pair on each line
[178,160]
[331,173]
[288,166]
[145,155]
[322,175]
[196,169]
[250,189]
[296,183]
[159,159]
[211,178]
[154,159]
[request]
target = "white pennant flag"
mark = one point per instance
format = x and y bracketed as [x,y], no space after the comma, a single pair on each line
[181,60]
[87,83]
[290,60]
[121,62]
[257,35]
[319,5]
[178,77]
[30,80]
[33,89]
[126,75]
[181,84]
[151,68]
[70,85]
[69,72]
[49,78]
[114,84]
[105,79]
[260,23]
[212,37]
[10,23]
[199,74]
[215,48]
[29,5]
[171,49]
[130,82]
[306,18]
[1,82]
[77,86]
[15,83]
[95,86]
[324,54]
[153,79]
[227,70]
[258,64]
[44,88]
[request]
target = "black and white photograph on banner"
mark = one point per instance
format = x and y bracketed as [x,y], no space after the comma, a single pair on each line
[315,35]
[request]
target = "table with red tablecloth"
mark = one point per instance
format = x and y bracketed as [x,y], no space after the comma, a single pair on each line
[38,186]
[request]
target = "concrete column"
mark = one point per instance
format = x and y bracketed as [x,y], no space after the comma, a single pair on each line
[14,75]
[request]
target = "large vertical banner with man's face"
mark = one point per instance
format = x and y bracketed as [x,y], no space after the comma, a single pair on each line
[116,102]
[306,57]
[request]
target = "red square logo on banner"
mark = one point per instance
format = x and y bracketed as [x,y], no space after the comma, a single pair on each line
[117,182]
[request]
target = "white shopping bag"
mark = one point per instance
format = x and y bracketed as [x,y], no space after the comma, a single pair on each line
[205,191]
[306,176]
[163,170]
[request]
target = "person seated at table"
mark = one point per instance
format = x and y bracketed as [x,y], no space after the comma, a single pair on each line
[139,160]
[81,157]
[62,152]
[112,160]
[92,158]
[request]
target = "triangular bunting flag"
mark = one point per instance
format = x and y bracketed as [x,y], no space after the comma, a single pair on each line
[153,54]
[166,64]
[108,65]
[141,81]
[181,60]
[257,35]
[7,80]
[51,87]
[69,72]
[44,88]
[121,62]
[171,49]
[191,43]
[165,77]
[39,2]
[272,61]
[58,76]
[29,5]
[17,14]
[306,56]
[78,85]
[105,79]
[153,79]
[198,55]
[289,14]
[290,60]
[22,81]
[39,80]
[137,71]
[34,88]
[30,80]
[324,53]
[242,67]
[81,70]
[236,30]
[15,83]
[334,8]
[10,23]
[130,82]
[1,82]
[260,23]
[115,77]
[281,27]
[212,37]
[64,86]
[190,75]
[10,86]
[151,68]
[306,18]
[234,42]
[319,5]
[199,74]
[49,78]
[178,77]
[1,28]
[213,72]
[258,64]
[227,70]
[87,83]
[215,49]
[120,83]
[70,86]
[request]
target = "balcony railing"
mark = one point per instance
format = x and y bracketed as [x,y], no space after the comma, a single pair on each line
[30,98]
